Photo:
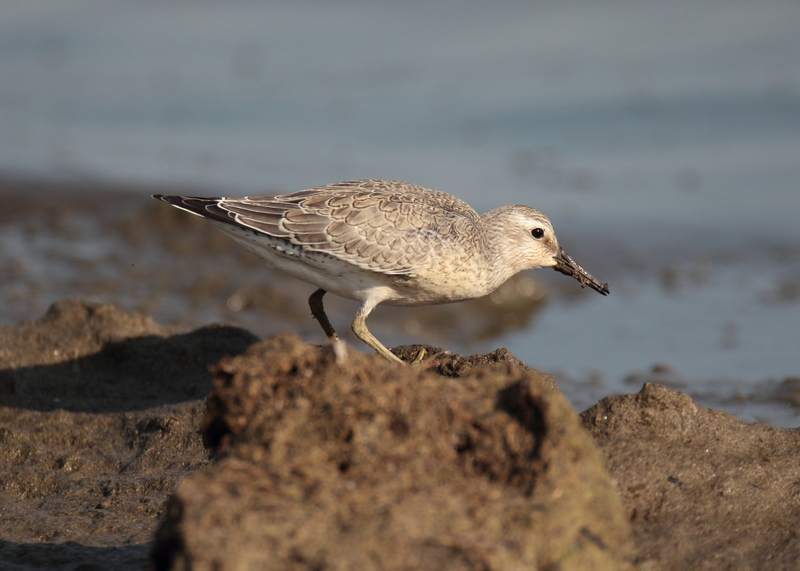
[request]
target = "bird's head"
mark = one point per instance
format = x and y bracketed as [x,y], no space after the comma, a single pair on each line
[525,241]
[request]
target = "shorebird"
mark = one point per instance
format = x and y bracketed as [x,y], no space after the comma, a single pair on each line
[394,243]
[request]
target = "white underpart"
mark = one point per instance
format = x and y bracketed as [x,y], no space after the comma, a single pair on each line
[334,276]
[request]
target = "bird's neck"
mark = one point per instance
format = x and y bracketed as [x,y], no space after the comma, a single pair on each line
[502,260]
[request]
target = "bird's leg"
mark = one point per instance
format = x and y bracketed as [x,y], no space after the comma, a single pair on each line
[360,329]
[315,303]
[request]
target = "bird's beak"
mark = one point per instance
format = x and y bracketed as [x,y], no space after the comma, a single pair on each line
[570,267]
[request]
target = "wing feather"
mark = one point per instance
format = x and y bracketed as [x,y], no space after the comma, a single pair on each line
[382,226]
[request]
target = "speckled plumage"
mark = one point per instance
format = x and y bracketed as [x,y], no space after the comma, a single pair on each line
[387,242]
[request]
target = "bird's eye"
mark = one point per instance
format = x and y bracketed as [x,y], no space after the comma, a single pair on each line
[537,233]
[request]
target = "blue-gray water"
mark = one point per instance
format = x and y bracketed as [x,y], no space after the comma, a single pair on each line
[663,140]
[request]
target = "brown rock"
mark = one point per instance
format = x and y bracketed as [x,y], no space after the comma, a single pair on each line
[703,489]
[366,465]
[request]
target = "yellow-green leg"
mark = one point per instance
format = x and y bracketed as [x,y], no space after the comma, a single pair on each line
[360,329]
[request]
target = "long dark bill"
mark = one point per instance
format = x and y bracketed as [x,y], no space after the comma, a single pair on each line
[570,267]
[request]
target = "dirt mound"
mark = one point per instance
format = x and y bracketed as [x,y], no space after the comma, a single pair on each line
[703,489]
[466,463]
[366,465]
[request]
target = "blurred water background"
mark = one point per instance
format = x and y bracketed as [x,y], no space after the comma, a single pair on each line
[662,140]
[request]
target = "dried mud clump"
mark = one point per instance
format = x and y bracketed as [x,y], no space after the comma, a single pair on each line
[366,465]
[703,489]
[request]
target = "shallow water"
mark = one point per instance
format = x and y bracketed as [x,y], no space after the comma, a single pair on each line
[661,140]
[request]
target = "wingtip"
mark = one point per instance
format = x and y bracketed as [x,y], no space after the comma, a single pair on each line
[169,199]
[205,207]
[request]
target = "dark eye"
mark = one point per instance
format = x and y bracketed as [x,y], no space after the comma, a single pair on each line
[537,233]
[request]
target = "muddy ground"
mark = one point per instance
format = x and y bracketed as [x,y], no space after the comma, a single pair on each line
[129,445]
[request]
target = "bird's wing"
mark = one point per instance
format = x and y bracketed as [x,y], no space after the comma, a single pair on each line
[382,226]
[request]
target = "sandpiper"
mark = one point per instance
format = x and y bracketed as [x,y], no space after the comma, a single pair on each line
[377,241]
